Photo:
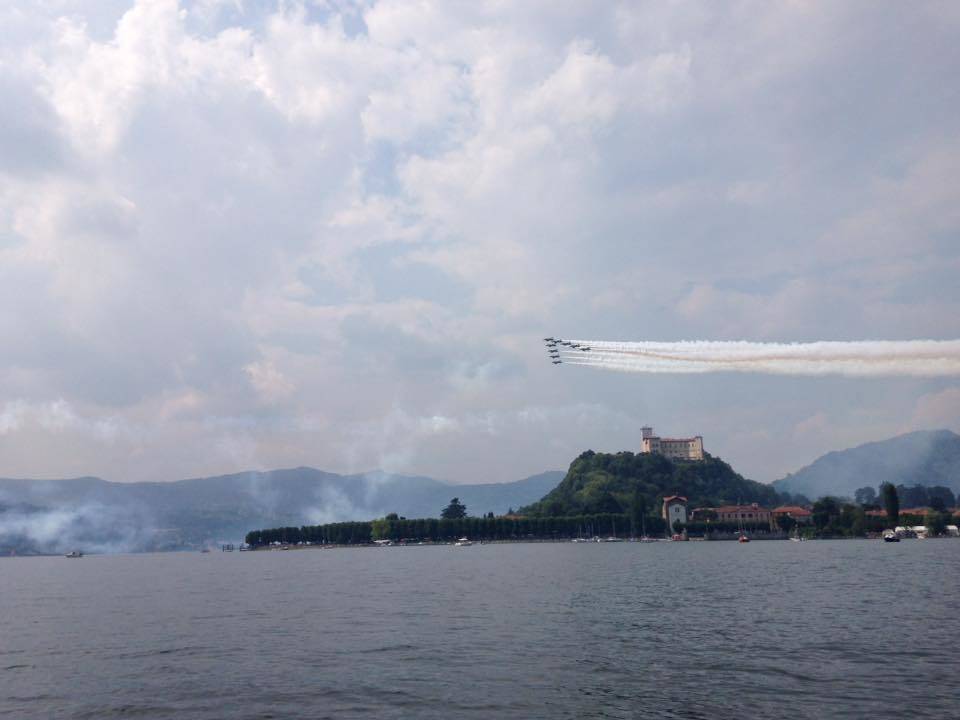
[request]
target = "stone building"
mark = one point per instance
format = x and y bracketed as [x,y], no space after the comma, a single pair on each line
[674,448]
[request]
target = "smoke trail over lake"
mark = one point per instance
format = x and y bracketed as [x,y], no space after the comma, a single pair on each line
[920,358]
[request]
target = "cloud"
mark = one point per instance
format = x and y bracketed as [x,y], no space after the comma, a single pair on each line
[264,234]
[937,410]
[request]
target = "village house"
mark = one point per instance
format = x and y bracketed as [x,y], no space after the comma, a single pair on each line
[674,509]
[800,514]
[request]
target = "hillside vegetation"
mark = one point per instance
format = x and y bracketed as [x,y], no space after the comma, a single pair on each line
[928,458]
[615,483]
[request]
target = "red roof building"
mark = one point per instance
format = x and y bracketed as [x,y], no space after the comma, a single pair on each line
[800,514]
[751,513]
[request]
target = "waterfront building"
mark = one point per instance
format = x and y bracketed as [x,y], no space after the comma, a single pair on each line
[674,509]
[800,514]
[747,514]
[674,448]
[912,512]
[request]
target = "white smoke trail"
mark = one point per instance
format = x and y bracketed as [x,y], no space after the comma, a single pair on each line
[921,358]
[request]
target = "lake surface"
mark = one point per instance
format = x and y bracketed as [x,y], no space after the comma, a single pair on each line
[674,630]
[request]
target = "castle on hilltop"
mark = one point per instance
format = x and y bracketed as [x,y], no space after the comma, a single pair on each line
[674,448]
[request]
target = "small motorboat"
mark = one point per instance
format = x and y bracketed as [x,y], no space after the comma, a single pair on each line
[743,538]
[462,542]
[891,536]
[74,554]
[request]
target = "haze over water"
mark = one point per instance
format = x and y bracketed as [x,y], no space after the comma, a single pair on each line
[685,630]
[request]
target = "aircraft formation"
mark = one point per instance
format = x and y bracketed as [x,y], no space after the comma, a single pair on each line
[556,346]
[866,358]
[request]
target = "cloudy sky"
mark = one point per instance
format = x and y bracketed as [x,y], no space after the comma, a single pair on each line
[253,234]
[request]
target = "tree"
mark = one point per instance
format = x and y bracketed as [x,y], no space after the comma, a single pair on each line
[454,511]
[937,504]
[638,508]
[943,493]
[859,527]
[824,510]
[865,496]
[785,522]
[935,522]
[891,502]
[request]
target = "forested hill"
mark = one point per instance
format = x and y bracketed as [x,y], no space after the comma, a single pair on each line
[919,458]
[613,483]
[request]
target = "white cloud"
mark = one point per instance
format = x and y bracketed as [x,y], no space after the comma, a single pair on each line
[270,234]
[268,381]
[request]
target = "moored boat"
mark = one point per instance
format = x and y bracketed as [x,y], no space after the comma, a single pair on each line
[74,554]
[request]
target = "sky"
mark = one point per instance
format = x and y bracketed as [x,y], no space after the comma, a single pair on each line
[242,234]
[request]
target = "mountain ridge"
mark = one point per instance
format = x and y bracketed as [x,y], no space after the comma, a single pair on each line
[921,457]
[105,516]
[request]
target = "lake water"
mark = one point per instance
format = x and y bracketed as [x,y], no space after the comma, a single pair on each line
[675,630]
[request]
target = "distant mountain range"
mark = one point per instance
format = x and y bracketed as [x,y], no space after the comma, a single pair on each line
[52,516]
[90,514]
[918,458]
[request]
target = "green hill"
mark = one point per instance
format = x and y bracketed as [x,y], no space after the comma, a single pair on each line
[608,483]
[927,458]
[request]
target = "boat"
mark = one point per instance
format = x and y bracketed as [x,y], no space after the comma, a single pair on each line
[462,542]
[890,536]
[580,540]
[743,535]
[74,554]
[644,538]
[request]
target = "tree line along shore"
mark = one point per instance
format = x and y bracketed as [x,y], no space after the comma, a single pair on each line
[520,529]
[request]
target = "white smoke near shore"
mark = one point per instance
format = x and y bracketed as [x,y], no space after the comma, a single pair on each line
[919,358]
[91,527]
